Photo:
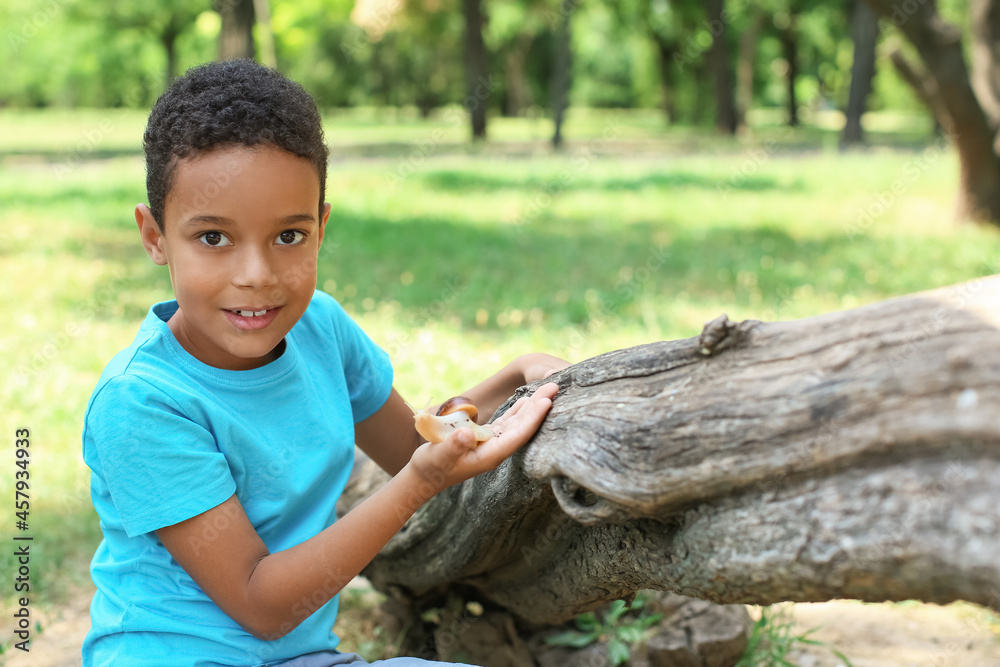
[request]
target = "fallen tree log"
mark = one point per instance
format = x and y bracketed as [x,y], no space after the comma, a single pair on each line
[851,455]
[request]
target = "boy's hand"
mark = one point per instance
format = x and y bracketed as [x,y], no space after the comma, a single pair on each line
[457,458]
[540,365]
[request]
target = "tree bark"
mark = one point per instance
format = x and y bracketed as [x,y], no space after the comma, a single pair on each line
[236,34]
[962,115]
[851,455]
[722,69]
[864,33]
[476,81]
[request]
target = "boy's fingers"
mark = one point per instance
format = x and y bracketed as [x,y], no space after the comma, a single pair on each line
[511,434]
[548,390]
[528,420]
[516,426]
[512,412]
[463,440]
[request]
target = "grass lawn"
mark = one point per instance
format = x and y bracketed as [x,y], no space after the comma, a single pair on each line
[457,259]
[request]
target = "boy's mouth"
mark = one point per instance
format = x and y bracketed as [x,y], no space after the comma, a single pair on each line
[252,312]
[251,318]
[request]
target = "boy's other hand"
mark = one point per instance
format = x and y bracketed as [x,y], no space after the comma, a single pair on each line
[457,458]
[539,365]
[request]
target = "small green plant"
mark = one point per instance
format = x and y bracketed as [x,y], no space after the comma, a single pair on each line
[622,626]
[772,640]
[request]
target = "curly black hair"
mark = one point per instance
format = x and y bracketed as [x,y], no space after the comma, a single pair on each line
[233,103]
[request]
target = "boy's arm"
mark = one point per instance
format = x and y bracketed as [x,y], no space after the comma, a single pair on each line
[270,594]
[389,436]
[490,394]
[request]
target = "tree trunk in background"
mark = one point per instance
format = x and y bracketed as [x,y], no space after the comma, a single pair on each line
[790,50]
[169,40]
[561,70]
[722,69]
[477,86]
[851,455]
[986,61]
[666,51]
[744,67]
[517,91]
[236,35]
[947,82]
[704,91]
[262,11]
[864,32]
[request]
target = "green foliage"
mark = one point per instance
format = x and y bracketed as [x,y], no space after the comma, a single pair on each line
[773,640]
[622,625]
[627,54]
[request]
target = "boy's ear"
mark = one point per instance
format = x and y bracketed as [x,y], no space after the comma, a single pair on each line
[149,232]
[322,223]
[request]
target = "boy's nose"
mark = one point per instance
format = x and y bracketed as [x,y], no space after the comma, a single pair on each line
[254,268]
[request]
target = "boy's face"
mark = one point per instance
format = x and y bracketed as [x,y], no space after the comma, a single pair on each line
[241,238]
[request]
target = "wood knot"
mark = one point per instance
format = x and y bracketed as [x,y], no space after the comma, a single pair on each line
[722,333]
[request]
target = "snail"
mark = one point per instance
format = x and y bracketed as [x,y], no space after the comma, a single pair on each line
[455,413]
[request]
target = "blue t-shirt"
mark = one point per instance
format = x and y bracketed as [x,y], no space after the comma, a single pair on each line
[168,437]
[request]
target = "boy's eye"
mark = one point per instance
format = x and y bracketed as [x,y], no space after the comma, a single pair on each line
[290,237]
[214,239]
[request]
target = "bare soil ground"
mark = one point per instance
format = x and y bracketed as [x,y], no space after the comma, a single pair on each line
[906,634]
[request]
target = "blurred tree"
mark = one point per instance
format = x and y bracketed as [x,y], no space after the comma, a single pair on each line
[786,20]
[427,43]
[561,68]
[513,29]
[318,45]
[864,33]
[236,36]
[262,12]
[163,21]
[392,53]
[477,87]
[666,23]
[967,105]
[986,60]
[745,63]
[722,68]
[803,51]
[671,26]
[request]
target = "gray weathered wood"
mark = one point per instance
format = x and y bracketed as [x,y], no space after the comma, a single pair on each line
[851,455]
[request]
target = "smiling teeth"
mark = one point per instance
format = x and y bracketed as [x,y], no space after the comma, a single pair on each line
[251,313]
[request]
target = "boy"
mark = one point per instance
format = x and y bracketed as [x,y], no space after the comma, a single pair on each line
[222,437]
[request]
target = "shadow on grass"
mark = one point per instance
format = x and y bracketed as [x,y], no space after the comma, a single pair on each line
[457,180]
[575,273]
[570,270]
[121,198]
[71,157]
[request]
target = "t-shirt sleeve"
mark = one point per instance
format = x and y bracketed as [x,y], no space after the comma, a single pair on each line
[367,367]
[159,466]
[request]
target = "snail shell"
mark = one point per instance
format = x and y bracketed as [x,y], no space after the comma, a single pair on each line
[455,413]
